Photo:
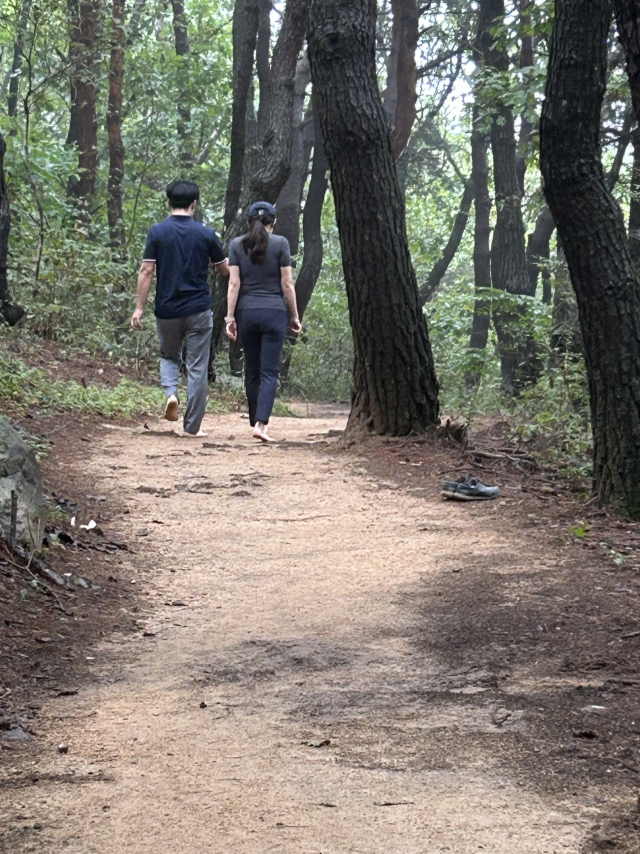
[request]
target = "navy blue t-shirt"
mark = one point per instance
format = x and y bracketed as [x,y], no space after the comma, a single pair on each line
[182,250]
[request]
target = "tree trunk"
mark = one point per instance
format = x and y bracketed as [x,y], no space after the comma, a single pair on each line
[442,264]
[114,132]
[16,65]
[311,234]
[400,94]
[634,202]
[538,252]
[566,338]
[75,50]
[481,244]
[183,50]
[85,84]
[263,65]
[246,16]
[527,59]
[628,20]
[592,231]
[395,390]
[9,312]
[275,153]
[519,363]
[290,198]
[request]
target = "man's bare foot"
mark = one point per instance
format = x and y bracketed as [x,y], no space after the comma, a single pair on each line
[171,408]
[260,432]
[185,435]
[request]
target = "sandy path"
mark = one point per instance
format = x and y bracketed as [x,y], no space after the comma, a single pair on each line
[327,730]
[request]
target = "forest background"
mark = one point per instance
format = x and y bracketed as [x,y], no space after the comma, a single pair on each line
[102,103]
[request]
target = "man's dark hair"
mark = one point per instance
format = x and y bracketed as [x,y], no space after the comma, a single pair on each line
[182,193]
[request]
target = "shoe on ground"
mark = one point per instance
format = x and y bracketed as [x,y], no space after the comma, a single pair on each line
[468,488]
[171,408]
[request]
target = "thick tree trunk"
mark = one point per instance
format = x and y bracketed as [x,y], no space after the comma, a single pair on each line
[395,390]
[538,251]
[290,198]
[481,243]
[566,338]
[114,131]
[183,50]
[9,311]
[592,231]
[16,65]
[400,94]
[519,363]
[442,264]
[246,16]
[85,85]
[628,20]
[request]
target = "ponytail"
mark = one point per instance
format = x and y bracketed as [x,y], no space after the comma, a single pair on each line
[256,239]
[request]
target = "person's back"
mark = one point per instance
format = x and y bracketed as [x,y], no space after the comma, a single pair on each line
[182,250]
[260,283]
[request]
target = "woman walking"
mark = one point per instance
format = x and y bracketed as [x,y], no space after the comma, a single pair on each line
[260,291]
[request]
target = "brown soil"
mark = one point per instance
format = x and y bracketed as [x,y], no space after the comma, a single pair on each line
[66,363]
[332,659]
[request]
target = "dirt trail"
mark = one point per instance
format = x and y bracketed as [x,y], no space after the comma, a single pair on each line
[283,586]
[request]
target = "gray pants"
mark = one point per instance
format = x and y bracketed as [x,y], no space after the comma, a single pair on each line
[194,334]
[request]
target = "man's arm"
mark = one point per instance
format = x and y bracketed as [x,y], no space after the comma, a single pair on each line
[145,277]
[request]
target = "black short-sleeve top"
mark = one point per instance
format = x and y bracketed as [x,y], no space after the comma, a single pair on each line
[260,283]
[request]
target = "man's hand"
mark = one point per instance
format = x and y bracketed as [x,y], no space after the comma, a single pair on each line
[295,326]
[136,319]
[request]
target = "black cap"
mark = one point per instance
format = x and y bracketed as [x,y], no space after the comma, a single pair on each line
[260,208]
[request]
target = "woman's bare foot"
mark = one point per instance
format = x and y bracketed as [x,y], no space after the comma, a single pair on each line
[171,408]
[260,432]
[184,435]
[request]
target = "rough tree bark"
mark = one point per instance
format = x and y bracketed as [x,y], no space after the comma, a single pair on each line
[85,85]
[18,56]
[592,231]
[395,390]
[527,59]
[9,311]
[520,365]
[246,16]
[400,93]
[481,242]
[114,132]
[183,50]
[290,199]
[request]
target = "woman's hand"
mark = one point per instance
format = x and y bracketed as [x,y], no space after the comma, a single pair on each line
[231,328]
[295,325]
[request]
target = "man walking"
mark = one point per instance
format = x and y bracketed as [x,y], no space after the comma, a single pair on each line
[180,249]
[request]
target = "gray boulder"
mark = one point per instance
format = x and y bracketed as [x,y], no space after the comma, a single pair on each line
[20,472]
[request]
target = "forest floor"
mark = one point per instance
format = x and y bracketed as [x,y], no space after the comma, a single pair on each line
[302,648]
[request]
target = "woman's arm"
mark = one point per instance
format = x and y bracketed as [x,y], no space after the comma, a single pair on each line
[232,300]
[289,293]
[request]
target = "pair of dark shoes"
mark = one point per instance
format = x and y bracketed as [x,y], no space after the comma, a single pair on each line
[468,488]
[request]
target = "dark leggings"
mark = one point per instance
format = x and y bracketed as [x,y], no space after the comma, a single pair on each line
[262,333]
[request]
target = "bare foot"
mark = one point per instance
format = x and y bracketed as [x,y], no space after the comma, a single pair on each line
[171,408]
[185,435]
[260,432]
